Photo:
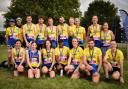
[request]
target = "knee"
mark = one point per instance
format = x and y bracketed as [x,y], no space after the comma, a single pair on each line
[30,74]
[20,69]
[44,70]
[37,74]
[82,67]
[52,74]
[116,75]
[66,68]
[59,67]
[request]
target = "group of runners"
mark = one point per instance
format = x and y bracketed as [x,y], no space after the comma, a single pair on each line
[66,49]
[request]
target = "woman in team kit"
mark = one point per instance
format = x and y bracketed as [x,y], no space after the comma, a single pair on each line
[106,37]
[74,60]
[33,61]
[48,59]
[18,58]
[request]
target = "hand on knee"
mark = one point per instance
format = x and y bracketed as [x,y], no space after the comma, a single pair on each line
[116,75]
[82,67]
[59,67]
[52,74]
[44,70]
[20,68]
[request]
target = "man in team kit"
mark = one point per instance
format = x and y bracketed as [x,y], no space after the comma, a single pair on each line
[50,45]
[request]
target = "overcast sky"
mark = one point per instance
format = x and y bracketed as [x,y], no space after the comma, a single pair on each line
[121,4]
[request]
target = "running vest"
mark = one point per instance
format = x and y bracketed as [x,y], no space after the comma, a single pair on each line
[52,32]
[34,58]
[18,55]
[95,31]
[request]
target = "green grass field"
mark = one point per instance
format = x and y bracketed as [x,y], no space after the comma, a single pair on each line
[8,81]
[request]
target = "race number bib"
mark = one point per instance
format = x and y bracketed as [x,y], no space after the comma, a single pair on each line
[52,37]
[79,39]
[40,36]
[63,36]
[114,64]
[34,61]
[75,62]
[47,60]
[95,38]
[30,36]
[62,58]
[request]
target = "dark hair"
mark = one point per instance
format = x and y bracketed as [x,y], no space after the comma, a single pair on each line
[28,16]
[60,41]
[103,24]
[90,39]
[18,40]
[45,43]
[50,18]
[40,17]
[33,42]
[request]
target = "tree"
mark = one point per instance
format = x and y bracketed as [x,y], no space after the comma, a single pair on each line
[47,8]
[106,11]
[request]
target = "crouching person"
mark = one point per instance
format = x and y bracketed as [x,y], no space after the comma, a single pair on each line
[75,59]
[61,55]
[18,55]
[48,55]
[113,62]
[33,61]
[92,61]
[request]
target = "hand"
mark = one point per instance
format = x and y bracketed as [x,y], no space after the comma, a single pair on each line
[96,73]
[89,67]
[16,65]
[76,71]
[50,69]
[121,80]
[27,44]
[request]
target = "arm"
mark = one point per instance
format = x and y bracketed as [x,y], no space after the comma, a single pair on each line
[100,63]
[113,36]
[46,33]
[28,62]
[88,32]
[23,58]
[39,58]
[121,68]
[35,33]
[13,59]
[24,32]
[53,59]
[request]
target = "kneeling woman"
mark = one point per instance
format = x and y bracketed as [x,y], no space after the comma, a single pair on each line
[33,61]
[75,59]
[48,55]
[18,55]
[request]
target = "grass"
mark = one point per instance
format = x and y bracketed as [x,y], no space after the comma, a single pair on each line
[8,81]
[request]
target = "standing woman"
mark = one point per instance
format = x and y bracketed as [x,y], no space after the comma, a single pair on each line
[48,55]
[75,59]
[106,37]
[33,61]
